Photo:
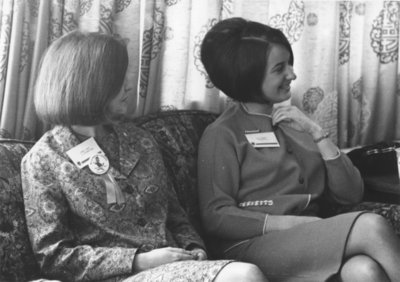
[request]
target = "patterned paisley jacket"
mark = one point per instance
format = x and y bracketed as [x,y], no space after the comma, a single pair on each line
[75,234]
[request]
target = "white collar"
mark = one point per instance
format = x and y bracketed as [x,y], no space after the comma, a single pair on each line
[256,114]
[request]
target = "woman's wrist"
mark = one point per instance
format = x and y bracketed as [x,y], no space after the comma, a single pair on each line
[322,136]
[318,134]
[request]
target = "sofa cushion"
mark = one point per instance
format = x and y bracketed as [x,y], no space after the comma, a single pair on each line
[178,134]
[17,262]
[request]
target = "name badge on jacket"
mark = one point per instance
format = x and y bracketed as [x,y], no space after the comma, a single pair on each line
[88,153]
[262,139]
[81,154]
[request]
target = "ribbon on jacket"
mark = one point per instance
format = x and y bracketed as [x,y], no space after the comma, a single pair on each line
[113,191]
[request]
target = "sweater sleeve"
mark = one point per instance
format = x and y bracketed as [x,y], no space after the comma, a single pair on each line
[57,251]
[218,184]
[344,180]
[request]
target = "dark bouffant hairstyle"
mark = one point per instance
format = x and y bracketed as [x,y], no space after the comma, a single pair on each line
[234,53]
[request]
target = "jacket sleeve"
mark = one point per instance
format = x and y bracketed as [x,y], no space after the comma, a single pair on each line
[178,223]
[345,183]
[58,253]
[218,183]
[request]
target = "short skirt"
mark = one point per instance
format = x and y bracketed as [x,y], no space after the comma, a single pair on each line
[308,252]
[182,271]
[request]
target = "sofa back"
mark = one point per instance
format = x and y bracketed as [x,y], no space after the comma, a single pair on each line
[177,133]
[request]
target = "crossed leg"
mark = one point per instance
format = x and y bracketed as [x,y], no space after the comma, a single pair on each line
[372,252]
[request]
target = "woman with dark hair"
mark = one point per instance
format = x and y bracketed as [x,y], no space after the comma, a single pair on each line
[266,172]
[98,202]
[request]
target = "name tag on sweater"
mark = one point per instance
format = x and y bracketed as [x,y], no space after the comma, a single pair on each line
[262,139]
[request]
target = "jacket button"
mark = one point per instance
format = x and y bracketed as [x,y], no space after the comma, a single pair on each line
[129,189]
[289,150]
[142,222]
[301,179]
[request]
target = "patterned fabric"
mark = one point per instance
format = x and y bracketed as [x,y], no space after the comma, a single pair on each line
[75,233]
[365,102]
[182,271]
[177,134]
[17,262]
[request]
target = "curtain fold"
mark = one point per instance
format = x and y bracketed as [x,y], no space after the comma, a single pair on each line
[368,72]
[346,57]
[31,128]
[12,63]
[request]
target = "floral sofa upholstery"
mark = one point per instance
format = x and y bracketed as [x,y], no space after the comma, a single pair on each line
[177,132]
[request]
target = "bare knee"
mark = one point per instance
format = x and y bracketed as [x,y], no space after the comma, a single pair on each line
[241,272]
[362,268]
[368,228]
[373,223]
[251,272]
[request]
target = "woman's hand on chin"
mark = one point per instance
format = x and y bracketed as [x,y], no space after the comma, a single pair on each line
[296,119]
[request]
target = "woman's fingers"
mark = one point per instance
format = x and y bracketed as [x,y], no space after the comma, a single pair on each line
[181,254]
[295,118]
[199,254]
[178,250]
[279,117]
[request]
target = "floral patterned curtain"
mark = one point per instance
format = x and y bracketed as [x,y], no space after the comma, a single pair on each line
[368,74]
[26,30]
[346,57]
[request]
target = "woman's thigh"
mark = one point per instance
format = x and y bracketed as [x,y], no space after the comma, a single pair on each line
[308,252]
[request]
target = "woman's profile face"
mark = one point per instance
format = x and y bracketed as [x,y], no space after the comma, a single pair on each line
[118,106]
[278,75]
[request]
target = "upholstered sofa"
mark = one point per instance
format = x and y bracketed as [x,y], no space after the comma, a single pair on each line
[177,132]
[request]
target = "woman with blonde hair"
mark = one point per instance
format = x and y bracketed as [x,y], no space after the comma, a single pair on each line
[98,202]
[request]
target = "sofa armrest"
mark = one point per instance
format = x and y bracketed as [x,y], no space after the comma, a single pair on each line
[17,262]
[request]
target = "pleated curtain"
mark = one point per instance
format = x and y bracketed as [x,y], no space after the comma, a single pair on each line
[346,57]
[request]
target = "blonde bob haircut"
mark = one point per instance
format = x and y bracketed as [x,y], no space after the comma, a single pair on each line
[80,73]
